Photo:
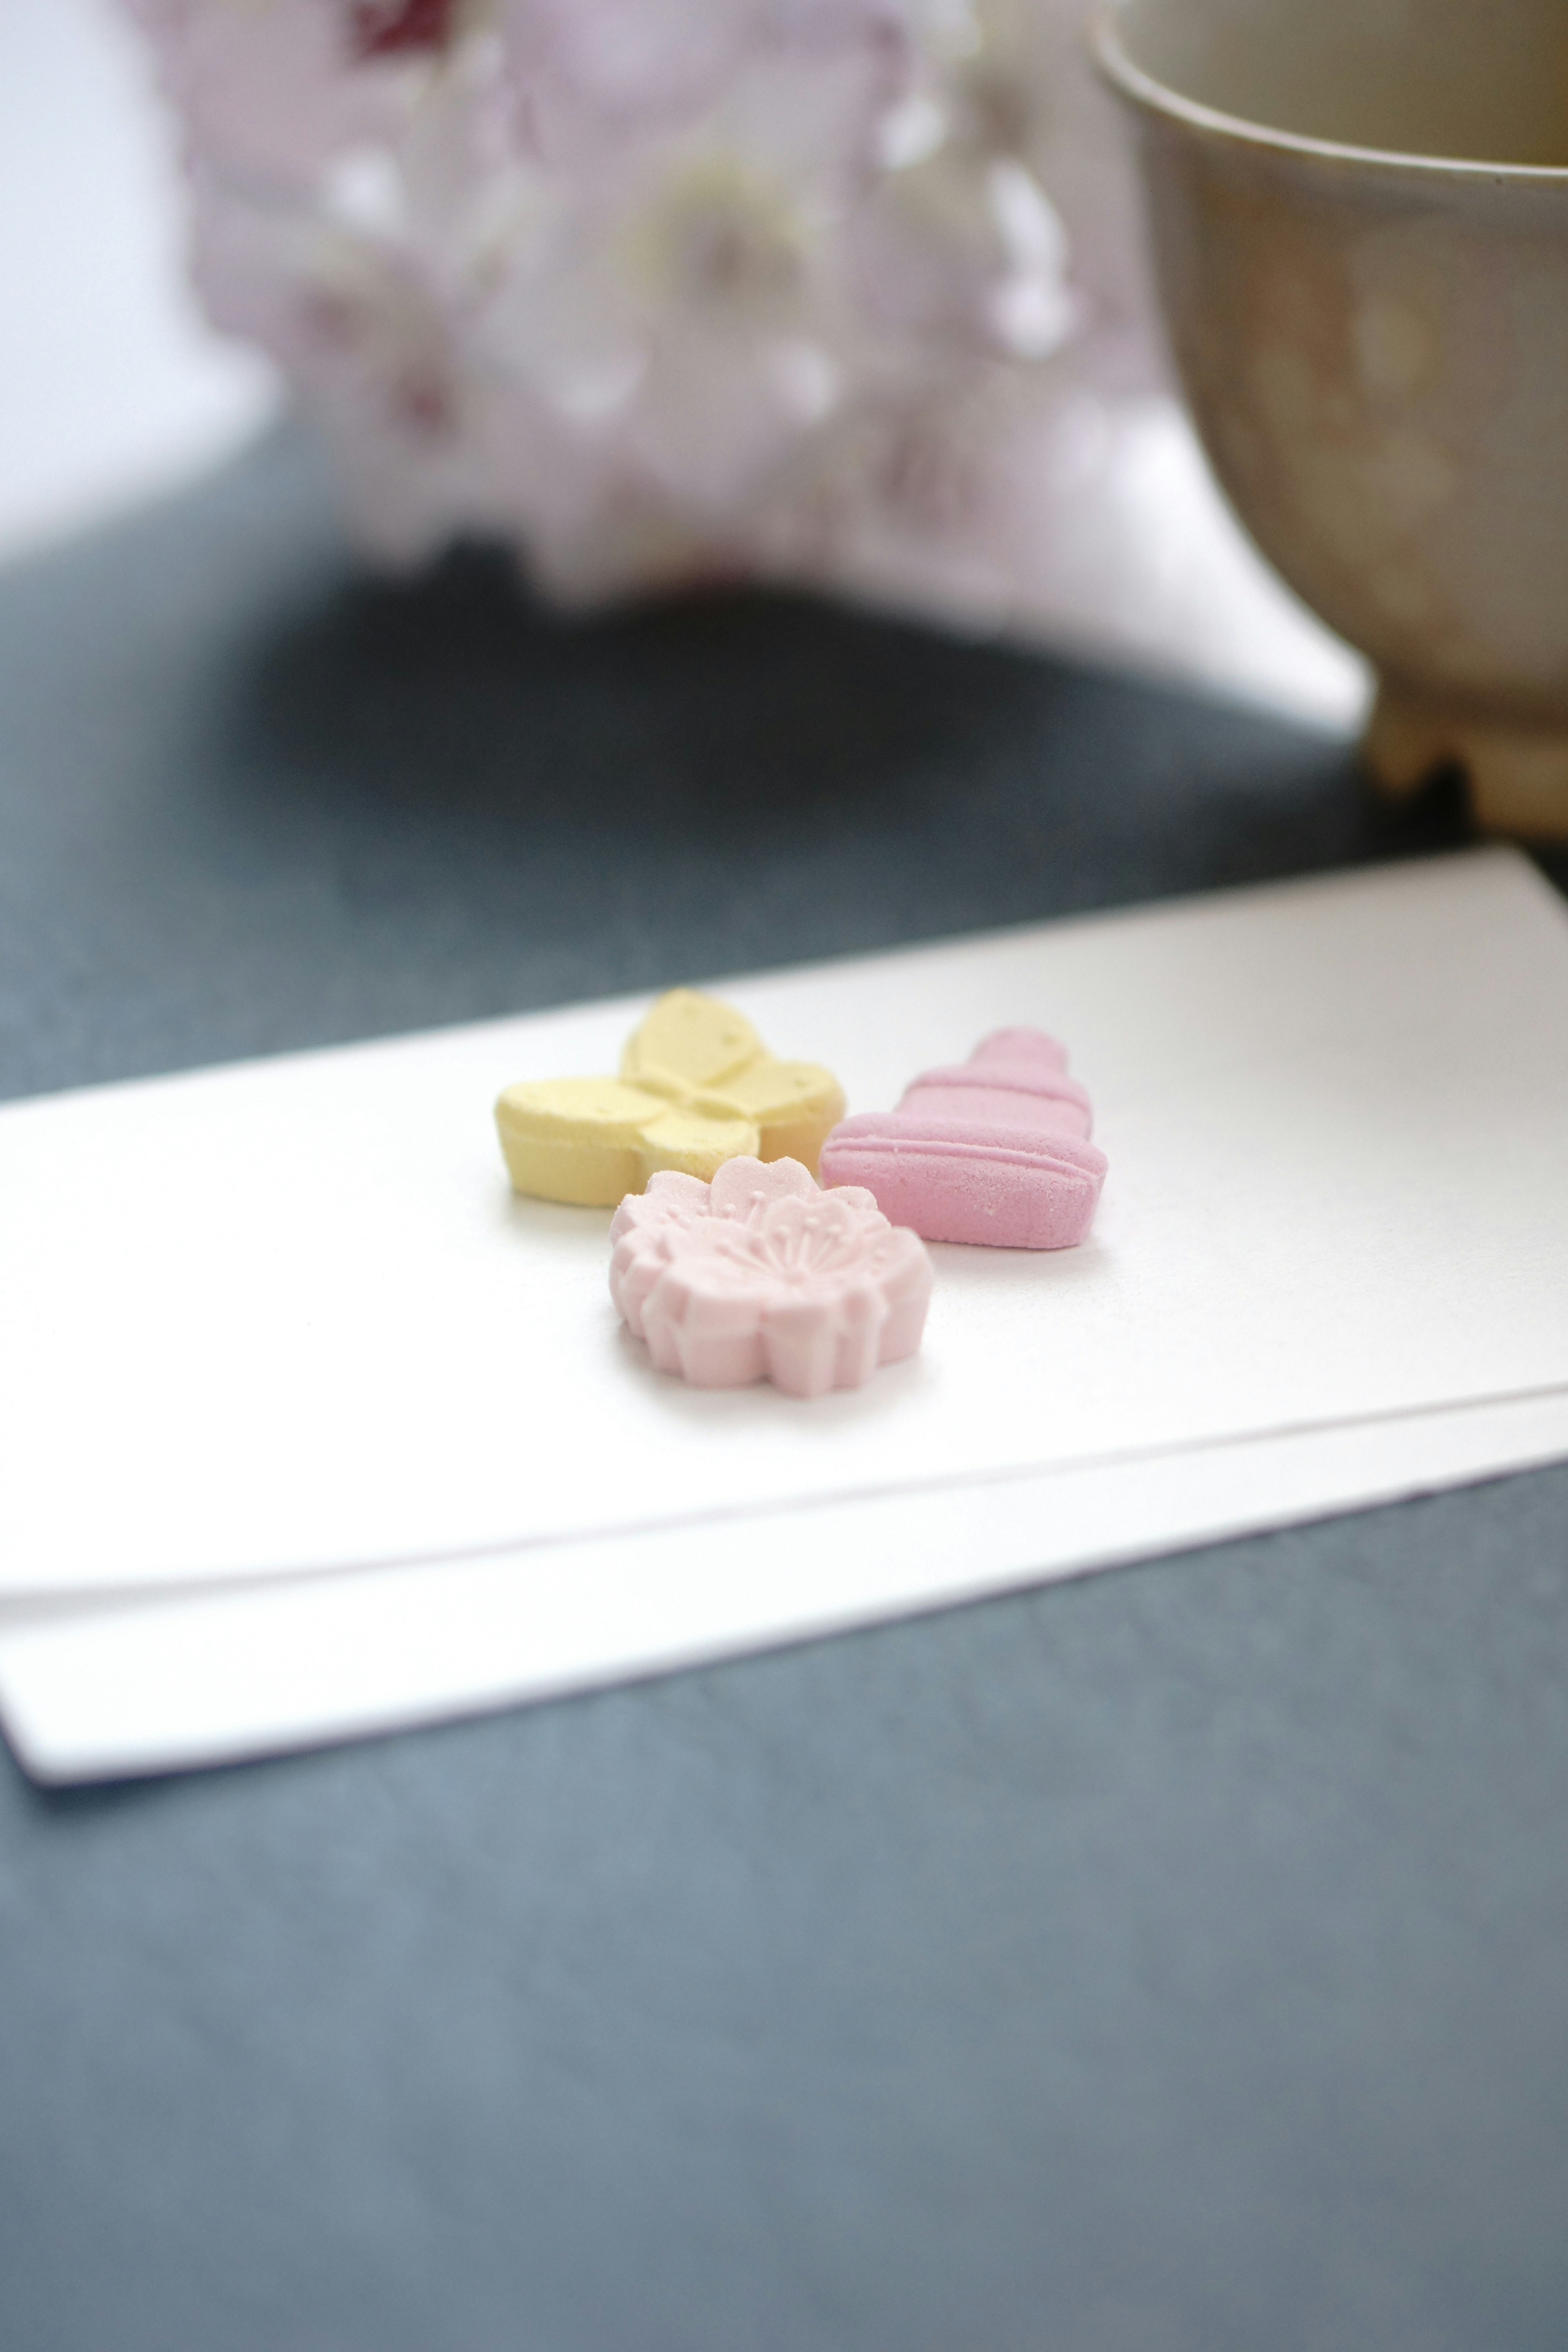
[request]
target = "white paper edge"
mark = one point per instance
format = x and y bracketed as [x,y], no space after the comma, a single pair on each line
[90,1691]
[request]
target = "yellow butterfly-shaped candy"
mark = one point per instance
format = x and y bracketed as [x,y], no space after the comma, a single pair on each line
[697,1087]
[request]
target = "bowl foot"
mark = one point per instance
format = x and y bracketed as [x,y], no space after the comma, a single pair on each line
[1518,776]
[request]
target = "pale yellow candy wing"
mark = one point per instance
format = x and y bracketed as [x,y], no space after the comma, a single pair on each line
[697,1087]
[794,1105]
[696,1145]
[576,1139]
[688,1045]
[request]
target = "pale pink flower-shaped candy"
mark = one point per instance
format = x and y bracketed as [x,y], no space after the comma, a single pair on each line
[761,1276]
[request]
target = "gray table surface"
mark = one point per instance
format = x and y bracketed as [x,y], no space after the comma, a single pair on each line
[1173,1961]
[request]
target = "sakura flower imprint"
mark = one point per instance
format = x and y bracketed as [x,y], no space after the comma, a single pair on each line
[759,1275]
[994,1149]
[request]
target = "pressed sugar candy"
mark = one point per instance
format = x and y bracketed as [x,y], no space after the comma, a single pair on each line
[995,1149]
[760,1275]
[697,1087]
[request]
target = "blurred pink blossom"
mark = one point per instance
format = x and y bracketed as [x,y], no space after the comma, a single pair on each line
[818,289]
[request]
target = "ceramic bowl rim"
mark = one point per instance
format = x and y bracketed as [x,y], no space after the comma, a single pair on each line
[1129,81]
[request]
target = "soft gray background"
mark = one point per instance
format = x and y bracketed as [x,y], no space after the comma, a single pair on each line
[1174,1961]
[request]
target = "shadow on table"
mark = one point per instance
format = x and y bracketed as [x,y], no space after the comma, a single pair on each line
[253,798]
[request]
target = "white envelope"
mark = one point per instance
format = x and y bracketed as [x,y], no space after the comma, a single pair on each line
[286,1321]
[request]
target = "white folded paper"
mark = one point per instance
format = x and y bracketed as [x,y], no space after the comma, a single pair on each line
[284,1327]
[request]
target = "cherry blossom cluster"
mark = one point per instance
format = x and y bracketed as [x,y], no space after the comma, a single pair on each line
[663,290]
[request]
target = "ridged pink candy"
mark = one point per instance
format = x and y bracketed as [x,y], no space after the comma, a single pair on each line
[994,1149]
[761,1275]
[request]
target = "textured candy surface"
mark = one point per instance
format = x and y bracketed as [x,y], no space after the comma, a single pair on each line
[995,1149]
[697,1087]
[760,1275]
